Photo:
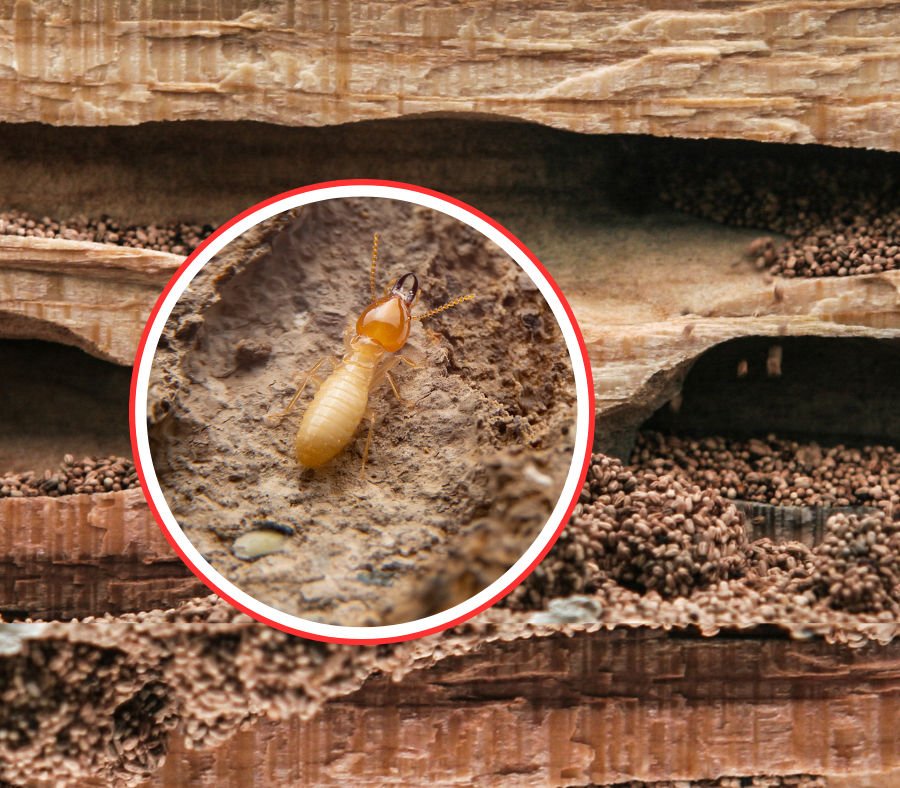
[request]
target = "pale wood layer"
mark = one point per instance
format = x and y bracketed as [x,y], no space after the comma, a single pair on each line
[652,294]
[777,71]
[95,296]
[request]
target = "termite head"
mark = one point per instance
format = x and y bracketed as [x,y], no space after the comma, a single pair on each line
[387,320]
[406,291]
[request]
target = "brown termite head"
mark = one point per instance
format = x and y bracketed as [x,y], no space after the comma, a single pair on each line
[387,320]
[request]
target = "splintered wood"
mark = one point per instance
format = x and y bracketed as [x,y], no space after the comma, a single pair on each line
[787,72]
[94,296]
[651,303]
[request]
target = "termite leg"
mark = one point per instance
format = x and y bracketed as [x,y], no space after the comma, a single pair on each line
[394,387]
[434,336]
[384,371]
[311,375]
[370,415]
[381,371]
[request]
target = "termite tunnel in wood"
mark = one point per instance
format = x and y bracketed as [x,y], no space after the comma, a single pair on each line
[57,400]
[831,390]
[792,428]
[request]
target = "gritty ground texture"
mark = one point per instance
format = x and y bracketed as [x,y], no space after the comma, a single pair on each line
[457,486]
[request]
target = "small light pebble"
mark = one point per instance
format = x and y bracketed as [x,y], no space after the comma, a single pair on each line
[256,544]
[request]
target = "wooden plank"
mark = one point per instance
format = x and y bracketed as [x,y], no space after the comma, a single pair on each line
[776,71]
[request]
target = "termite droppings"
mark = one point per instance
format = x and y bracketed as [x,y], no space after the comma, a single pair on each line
[174,237]
[666,527]
[770,471]
[90,475]
[842,221]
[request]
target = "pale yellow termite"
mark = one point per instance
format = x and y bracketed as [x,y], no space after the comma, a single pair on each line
[341,402]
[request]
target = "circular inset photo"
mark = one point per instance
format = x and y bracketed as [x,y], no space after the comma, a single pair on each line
[362,412]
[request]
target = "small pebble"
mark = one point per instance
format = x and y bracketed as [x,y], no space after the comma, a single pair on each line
[256,544]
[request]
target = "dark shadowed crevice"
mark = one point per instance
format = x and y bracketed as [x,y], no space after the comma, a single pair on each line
[831,390]
[57,400]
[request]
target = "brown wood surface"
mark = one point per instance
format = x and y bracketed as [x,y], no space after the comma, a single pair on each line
[86,555]
[585,709]
[94,296]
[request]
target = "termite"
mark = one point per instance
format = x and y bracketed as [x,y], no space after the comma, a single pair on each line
[341,402]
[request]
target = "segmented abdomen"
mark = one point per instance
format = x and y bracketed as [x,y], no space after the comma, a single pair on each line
[334,414]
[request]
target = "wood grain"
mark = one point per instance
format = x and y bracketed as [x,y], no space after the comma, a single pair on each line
[94,296]
[778,71]
[584,709]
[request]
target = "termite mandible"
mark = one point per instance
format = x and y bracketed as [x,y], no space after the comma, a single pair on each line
[341,402]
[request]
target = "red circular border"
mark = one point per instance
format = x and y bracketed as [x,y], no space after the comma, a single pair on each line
[406,187]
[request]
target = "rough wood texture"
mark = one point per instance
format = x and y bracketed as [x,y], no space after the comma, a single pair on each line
[81,527]
[81,555]
[782,71]
[654,293]
[94,296]
[597,710]
[580,709]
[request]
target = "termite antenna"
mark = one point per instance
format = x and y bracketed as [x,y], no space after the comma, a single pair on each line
[372,269]
[442,308]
